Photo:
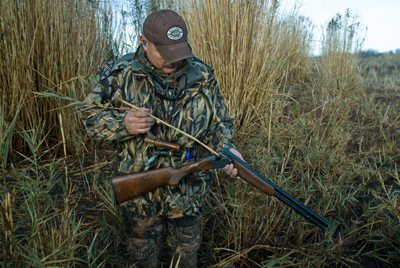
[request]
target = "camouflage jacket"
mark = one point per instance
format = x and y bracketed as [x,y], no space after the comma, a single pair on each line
[201,113]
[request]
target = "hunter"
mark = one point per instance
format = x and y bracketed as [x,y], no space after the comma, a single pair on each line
[165,79]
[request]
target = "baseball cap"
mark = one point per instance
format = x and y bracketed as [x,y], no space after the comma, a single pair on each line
[167,31]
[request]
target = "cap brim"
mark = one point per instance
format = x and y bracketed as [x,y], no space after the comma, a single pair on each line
[175,52]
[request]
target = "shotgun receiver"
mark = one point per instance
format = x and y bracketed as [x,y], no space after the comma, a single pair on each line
[129,186]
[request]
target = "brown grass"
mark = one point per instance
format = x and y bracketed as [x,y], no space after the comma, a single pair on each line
[382,76]
[322,129]
[253,49]
[49,44]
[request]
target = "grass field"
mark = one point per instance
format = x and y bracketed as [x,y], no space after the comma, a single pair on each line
[326,130]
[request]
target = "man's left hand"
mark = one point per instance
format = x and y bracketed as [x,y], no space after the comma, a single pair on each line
[230,169]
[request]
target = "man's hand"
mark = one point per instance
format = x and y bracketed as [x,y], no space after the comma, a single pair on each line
[138,122]
[229,169]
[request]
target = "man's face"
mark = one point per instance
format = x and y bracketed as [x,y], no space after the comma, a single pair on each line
[155,58]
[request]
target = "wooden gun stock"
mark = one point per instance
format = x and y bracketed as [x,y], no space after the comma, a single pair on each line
[129,186]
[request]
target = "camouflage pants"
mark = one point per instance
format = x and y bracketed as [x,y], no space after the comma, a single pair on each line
[146,236]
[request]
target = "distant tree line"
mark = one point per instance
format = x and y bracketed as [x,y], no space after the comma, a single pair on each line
[373,53]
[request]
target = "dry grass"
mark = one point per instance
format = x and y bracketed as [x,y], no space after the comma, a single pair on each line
[253,49]
[382,76]
[49,44]
[327,147]
[322,130]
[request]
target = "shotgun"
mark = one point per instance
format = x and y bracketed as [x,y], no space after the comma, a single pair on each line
[129,186]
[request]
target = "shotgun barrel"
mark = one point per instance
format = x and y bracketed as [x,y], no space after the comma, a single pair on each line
[283,196]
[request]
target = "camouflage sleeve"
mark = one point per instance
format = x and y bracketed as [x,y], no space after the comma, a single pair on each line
[221,132]
[102,118]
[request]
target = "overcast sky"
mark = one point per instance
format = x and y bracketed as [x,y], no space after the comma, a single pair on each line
[381,17]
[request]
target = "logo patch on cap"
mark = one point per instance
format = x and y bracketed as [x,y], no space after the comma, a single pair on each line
[175,33]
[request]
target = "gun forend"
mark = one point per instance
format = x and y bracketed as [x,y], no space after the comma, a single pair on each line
[253,179]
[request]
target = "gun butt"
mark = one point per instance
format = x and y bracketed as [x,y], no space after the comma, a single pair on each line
[130,186]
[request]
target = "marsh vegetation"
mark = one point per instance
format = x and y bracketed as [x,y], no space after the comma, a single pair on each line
[325,129]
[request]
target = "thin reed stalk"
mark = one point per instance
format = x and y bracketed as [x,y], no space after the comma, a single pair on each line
[54,44]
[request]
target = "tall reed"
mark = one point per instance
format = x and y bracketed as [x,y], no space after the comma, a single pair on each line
[336,150]
[49,44]
[338,66]
[328,143]
[254,50]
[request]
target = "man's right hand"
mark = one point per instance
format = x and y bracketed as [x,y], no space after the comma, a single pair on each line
[138,122]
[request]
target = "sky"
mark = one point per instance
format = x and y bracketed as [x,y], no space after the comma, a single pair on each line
[381,18]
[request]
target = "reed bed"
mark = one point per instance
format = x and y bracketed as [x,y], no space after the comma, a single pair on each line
[334,146]
[253,48]
[314,126]
[49,45]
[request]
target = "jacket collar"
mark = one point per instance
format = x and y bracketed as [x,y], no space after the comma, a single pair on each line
[141,64]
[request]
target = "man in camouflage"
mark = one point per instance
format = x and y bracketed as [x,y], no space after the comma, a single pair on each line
[165,79]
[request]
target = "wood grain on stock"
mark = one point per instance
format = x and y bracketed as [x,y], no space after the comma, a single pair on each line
[132,185]
[253,179]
